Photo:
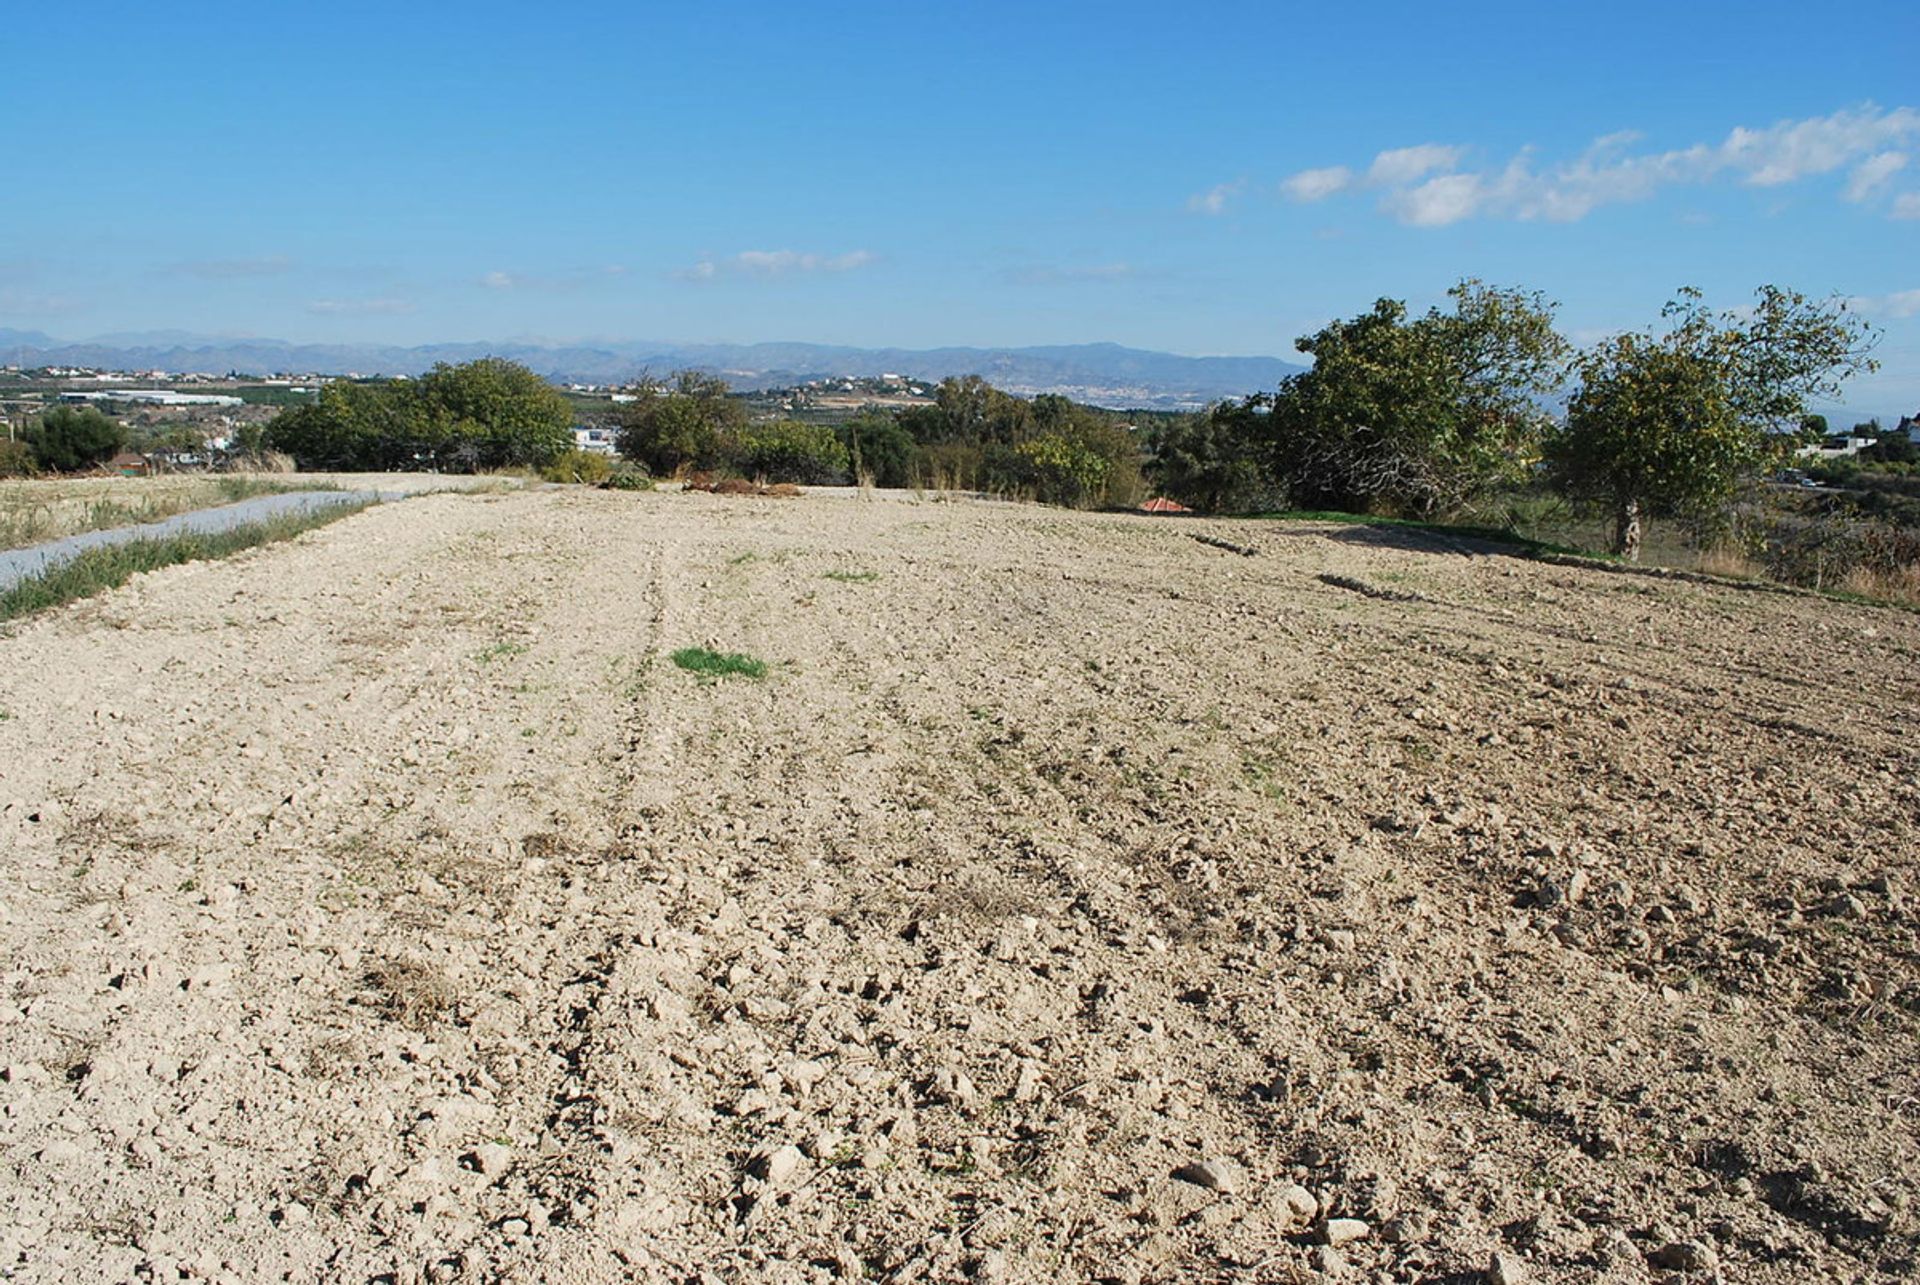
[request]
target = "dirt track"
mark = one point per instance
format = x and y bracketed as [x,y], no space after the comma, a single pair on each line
[385,906]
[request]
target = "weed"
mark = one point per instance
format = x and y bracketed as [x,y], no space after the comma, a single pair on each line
[499,651]
[854,577]
[715,665]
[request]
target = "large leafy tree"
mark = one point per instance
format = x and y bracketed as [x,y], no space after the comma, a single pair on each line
[1671,424]
[69,438]
[1416,416]
[483,414]
[689,422]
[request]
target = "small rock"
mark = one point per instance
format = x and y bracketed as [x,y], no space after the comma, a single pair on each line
[1405,1229]
[1847,907]
[1506,1269]
[490,1158]
[1327,1260]
[1684,1256]
[1299,1204]
[777,1167]
[1344,1231]
[1219,1174]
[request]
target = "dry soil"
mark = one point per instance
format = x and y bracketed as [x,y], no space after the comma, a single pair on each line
[1074,900]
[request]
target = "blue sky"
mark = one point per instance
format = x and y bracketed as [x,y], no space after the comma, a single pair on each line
[1202,178]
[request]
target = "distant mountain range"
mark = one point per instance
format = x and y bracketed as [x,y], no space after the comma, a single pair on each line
[1102,374]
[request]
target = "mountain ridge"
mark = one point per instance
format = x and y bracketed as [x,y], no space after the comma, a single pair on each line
[1101,373]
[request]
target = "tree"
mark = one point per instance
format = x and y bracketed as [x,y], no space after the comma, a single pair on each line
[490,413]
[1416,416]
[1209,461]
[685,424]
[1671,424]
[483,414]
[1813,427]
[880,449]
[70,438]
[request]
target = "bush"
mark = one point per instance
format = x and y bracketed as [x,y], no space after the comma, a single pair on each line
[585,467]
[790,452]
[68,439]
[16,460]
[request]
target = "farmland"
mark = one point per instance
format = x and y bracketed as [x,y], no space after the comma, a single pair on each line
[569,885]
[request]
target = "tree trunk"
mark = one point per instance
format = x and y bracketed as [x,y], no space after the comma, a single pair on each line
[1626,528]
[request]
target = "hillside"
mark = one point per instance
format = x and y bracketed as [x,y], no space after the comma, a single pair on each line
[1071,901]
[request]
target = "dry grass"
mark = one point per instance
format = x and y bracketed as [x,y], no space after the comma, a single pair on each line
[35,510]
[1902,586]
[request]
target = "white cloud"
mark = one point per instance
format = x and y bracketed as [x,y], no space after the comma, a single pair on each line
[1404,165]
[359,307]
[1439,201]
[1424,185]
[497,280]
[776,263]
[1870,175]
[1899,305]
[1214,199]
[1791,150]
[1317,185]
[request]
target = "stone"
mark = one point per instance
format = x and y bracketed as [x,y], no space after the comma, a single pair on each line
[1684,1256]
[1344,1231]
[1299,1204]
[1506,1269]
[490,1158]
[1219,1173]
[1405,1229]
[777,1166]
[1327,1260]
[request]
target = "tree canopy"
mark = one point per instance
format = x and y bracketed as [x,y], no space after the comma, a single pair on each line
[1416,416]
[484,414]
[70,438]
[687,423]
[1671,423]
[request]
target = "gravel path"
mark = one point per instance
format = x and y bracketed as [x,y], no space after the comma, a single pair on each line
[1074,901]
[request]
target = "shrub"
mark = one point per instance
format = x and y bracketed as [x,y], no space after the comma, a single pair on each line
[578,466]
[16,460]
[69,438]
[790,452]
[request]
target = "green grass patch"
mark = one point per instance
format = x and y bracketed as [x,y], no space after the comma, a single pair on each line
[500,651]
[715,665]
[98,570]
[854,577]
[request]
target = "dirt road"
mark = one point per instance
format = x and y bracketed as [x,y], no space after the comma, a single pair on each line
[1073,901]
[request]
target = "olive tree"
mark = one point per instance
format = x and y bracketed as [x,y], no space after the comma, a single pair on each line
[1671,424]
[1416,416]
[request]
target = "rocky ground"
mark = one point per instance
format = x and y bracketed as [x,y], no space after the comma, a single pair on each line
[1073,901]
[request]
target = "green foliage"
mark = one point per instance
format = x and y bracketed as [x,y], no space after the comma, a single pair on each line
[17,460]
[1054,469]
[588,467]
[630,479]
[110,566]
[70,438]
[1415,417]
[486,414]
[788,451]
[714,665]
[688,424]
[879,449]
[1210,461]
[1671,424]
